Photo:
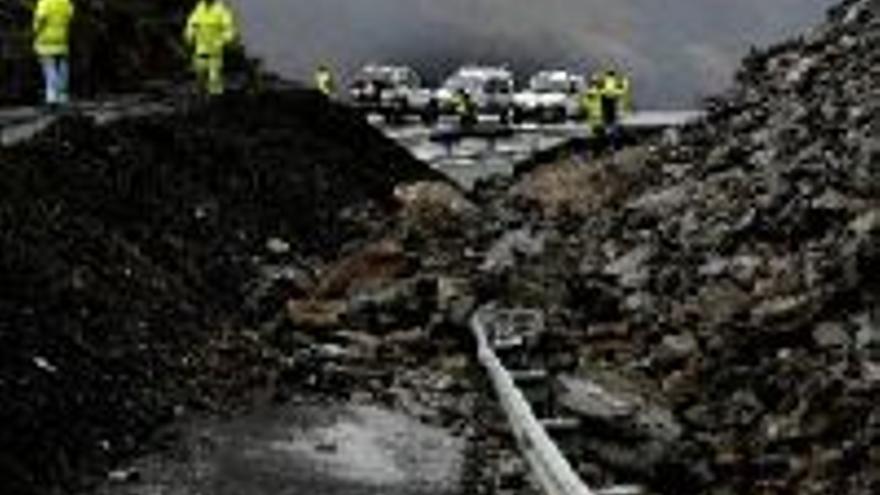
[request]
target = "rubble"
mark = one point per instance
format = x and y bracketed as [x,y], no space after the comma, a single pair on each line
[728,274]
[434,208]
[734,273]
[136,267]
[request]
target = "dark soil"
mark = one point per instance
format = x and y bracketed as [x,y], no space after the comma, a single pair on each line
[125,253]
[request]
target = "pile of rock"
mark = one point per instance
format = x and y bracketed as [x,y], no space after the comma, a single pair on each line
[738,278]
[128,252]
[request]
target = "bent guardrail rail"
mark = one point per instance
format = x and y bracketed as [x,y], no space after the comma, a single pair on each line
[551,469]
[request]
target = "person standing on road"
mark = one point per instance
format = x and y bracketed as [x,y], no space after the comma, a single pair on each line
[592,104]
[466,109]
[51,25]
[612,93]
[625,84]
[324,81]
[210,29]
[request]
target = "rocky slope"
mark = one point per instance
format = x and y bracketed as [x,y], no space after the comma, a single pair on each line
[733,277]
[727,281]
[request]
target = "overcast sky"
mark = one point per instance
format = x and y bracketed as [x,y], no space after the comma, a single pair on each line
[677,50]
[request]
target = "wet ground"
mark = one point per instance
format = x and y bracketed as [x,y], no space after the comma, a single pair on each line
[302,449]
[471,158]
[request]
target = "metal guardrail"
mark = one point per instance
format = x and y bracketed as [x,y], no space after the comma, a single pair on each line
[551,469]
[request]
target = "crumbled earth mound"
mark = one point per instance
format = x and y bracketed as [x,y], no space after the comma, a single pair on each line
[127,252]
[735,280]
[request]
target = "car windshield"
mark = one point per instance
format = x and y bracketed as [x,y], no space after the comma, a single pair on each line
[482,81]
[384,76]
[497,85]
[461,82]
[550,84]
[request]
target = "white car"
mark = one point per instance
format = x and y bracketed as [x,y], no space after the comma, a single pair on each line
[394,91]
[490,88]
[551,96]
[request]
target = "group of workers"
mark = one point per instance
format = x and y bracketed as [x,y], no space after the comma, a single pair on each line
[209,30]
[606,99]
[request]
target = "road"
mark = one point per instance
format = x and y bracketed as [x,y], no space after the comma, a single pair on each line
[297,449]
[471,158]
[466,159]
[22,123]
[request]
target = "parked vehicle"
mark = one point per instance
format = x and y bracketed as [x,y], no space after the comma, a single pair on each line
[490,89]
[393,91]
[552,96]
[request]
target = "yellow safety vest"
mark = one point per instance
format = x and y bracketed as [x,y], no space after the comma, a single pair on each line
[612,87]
[626,94]
[592,102]
[464,105]
[52,27]
[210,28]
[324,82]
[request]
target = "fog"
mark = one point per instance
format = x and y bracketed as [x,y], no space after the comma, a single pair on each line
[676,50]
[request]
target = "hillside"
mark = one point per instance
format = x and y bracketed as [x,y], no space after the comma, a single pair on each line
[733,276]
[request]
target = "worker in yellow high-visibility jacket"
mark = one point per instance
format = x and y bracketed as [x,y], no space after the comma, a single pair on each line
[466,109]
[209,30]
[324,81]
[626,101]
[613,93]
[51,25]
[592,105]
[618,87]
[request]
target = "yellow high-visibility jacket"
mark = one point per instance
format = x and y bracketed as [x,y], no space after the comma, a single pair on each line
[464,105]
[52,27]
[625,85]
[612,86]
[210,28]
[592,104]
[324,82]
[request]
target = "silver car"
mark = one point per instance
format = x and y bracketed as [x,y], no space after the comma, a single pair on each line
[552,95]
[490,88]
[394,91]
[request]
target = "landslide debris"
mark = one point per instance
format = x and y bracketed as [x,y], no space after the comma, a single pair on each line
[733,279]
[128,252]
